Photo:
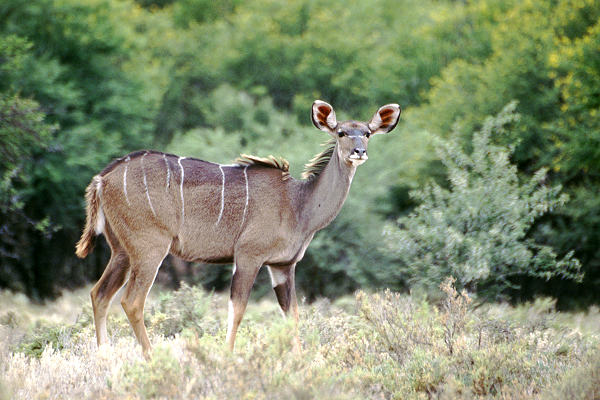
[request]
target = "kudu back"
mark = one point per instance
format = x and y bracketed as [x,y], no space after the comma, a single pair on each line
[252,213]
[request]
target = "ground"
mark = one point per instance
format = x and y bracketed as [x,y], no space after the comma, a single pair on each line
[372,345]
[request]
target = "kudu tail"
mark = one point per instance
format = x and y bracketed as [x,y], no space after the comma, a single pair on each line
[94,221]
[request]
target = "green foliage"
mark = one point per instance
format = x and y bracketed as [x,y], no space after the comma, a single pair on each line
[158,378]
[25,136]
[71,64]
[545,55]
[489,355]
[55,336]
[301,50]
[580,383]
[477,229]
[382,345]
[94,80]
[184,309]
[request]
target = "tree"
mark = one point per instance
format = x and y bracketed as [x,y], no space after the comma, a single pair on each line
[477,229]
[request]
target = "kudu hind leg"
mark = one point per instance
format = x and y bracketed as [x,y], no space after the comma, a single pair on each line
[241,284]
[283,280]
[143,273]
[102,293]
[112,279]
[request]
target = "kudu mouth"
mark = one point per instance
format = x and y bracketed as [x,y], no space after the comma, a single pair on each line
[355,159]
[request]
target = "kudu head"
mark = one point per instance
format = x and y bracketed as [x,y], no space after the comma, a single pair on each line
[353,136]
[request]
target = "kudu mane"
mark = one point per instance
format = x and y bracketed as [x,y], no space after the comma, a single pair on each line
[269,162]
[317,164]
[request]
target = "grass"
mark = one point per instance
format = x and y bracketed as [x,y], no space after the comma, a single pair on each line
[373,345]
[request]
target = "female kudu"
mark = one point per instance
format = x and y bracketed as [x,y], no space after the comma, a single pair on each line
[252,213]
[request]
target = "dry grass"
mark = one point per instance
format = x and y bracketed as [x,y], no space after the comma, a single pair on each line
[381,346]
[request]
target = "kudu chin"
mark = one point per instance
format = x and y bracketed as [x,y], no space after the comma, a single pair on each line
[251,213]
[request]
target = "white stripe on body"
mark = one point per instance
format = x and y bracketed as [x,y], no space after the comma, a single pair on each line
[125,180]
[168,172]
[247,195]
[182,201]
[222,194]
[181,190]
[146,185]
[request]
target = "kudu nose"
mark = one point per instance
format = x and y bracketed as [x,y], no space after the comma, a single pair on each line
[359,151]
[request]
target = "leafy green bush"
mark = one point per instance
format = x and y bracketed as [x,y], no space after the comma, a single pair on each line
[160,377]
[383,345]
[580,383]
[56,336]
[185,308]
[453,350]
[477,229]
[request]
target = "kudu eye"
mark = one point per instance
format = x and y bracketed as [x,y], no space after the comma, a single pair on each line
[341,133]
[368,134]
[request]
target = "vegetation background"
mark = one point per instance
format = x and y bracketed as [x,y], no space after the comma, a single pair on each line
[84,82]
[492,176]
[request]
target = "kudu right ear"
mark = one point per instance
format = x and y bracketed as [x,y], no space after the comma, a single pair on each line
[323,117]
[385,119]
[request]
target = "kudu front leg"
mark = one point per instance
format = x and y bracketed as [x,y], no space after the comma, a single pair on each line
[244,274]
[283,281]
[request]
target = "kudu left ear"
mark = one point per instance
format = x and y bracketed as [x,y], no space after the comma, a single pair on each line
[385,119]
[323,117]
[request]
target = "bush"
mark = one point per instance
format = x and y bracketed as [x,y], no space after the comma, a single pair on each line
[185,308]
[393,346]
[580,383]
[157,378]
[55,336]
[477,229]
[453,350]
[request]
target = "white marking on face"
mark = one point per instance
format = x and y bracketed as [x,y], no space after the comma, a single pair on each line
[125,180]
[277,277]
[357,160]
[181,189]
[234,269]
[146,185]
[222,194]
[247,195]
[168,172]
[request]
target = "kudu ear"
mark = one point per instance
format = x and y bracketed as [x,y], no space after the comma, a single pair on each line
[385,119]
[323,116]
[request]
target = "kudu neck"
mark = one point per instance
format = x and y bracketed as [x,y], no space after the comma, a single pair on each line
[324,195]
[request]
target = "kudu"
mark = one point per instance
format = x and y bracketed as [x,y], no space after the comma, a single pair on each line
[252,213]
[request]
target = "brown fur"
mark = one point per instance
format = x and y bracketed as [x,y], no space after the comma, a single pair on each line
[252,213]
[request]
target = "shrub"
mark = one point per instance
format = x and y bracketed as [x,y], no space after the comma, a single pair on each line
[400,323]
[455,307]
[477,229]
[56,336]
[580,383]
[185,308]
[161,376]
